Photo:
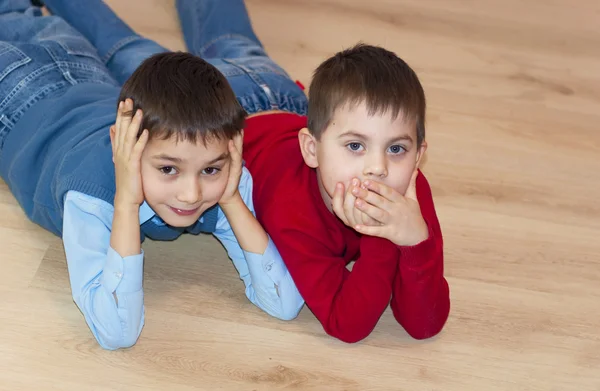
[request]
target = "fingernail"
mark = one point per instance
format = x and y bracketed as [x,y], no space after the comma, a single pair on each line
[355,191]
[355,182]
[366,183]
[358,203]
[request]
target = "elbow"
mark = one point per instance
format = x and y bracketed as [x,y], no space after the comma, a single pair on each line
[429,328]
[288,315]
[123,339]
[349,337]
[117,342]
[111,331]
[424,333]
[350,331]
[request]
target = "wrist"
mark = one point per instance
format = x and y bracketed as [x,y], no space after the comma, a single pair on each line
[233,201]
[126,208]
[419,234]
[124,204]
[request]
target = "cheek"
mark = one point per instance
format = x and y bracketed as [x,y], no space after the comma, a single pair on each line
[399,177]
[152,184]
[339,170]
[212,190]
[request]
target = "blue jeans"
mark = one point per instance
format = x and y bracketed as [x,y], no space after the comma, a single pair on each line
[219,31]
[40,57]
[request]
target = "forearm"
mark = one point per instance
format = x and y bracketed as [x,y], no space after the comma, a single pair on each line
[270,286]
[250,235]
[363,294]
[114,323]
[106,287]
[125,234]
[421,299]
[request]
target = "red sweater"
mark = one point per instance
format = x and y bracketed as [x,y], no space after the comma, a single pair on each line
[317,247]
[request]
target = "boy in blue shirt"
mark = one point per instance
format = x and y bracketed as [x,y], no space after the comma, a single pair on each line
[169,164]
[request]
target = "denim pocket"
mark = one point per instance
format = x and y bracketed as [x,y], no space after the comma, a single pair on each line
[11,58]
[77,46]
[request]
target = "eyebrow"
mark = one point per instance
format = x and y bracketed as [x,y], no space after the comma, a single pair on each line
[162,156]
[352,133]
[222,156]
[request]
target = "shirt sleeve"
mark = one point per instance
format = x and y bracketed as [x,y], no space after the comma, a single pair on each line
[106,287]
[421,297]
[268,282]
[348,304]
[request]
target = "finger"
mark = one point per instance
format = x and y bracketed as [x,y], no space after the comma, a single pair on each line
[119,119]
[371,230]
[377,214]
[112,133]
[125,121]
[234,149]
[239,141]
[337,202]
[359,216]
[374,199]
[139,146]
[349,200]
[411,192]
[133,130]
[383,190]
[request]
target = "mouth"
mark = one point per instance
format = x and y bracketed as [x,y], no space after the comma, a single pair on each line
[184,212]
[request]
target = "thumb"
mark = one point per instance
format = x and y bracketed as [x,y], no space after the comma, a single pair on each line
[411,192]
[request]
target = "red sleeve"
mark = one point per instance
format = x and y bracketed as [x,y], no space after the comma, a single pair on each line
[348,304]
[421,298]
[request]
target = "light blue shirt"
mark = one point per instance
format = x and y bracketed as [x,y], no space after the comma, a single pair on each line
[108,288]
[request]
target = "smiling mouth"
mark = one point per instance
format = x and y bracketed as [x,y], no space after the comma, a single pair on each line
[184,212]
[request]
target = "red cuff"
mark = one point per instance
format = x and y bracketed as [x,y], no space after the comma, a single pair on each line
[419,253]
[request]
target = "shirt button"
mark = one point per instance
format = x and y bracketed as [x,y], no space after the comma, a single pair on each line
[118,274]
[269,266]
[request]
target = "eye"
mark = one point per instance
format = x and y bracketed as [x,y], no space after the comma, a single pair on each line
[397,149]
[168,170]
[354,147]
[211,171]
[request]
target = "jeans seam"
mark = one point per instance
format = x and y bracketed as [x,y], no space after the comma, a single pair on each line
[255,77]
[225,36]
[119,45]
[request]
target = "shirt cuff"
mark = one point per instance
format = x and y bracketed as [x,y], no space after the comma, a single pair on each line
[269,262]
[420,253]
[124,274]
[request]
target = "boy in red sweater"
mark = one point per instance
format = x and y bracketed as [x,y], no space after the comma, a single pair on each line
[343,185]
[336,180]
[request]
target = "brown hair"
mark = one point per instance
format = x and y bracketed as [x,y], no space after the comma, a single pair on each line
[369,74]
[183,95]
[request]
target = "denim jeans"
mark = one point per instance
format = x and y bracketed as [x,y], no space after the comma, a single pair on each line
[40,57]
[219,31]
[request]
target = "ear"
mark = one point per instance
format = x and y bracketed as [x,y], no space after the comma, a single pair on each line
[421,153]
[112,140]
[308,147]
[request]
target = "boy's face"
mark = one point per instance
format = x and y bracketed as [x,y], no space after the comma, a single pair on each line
[181,179]
[357,145]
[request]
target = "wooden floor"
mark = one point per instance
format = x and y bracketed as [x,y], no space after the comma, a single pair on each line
[514,160]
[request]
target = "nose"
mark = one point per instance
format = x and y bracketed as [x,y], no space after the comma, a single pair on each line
[375,166]
[190,191]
